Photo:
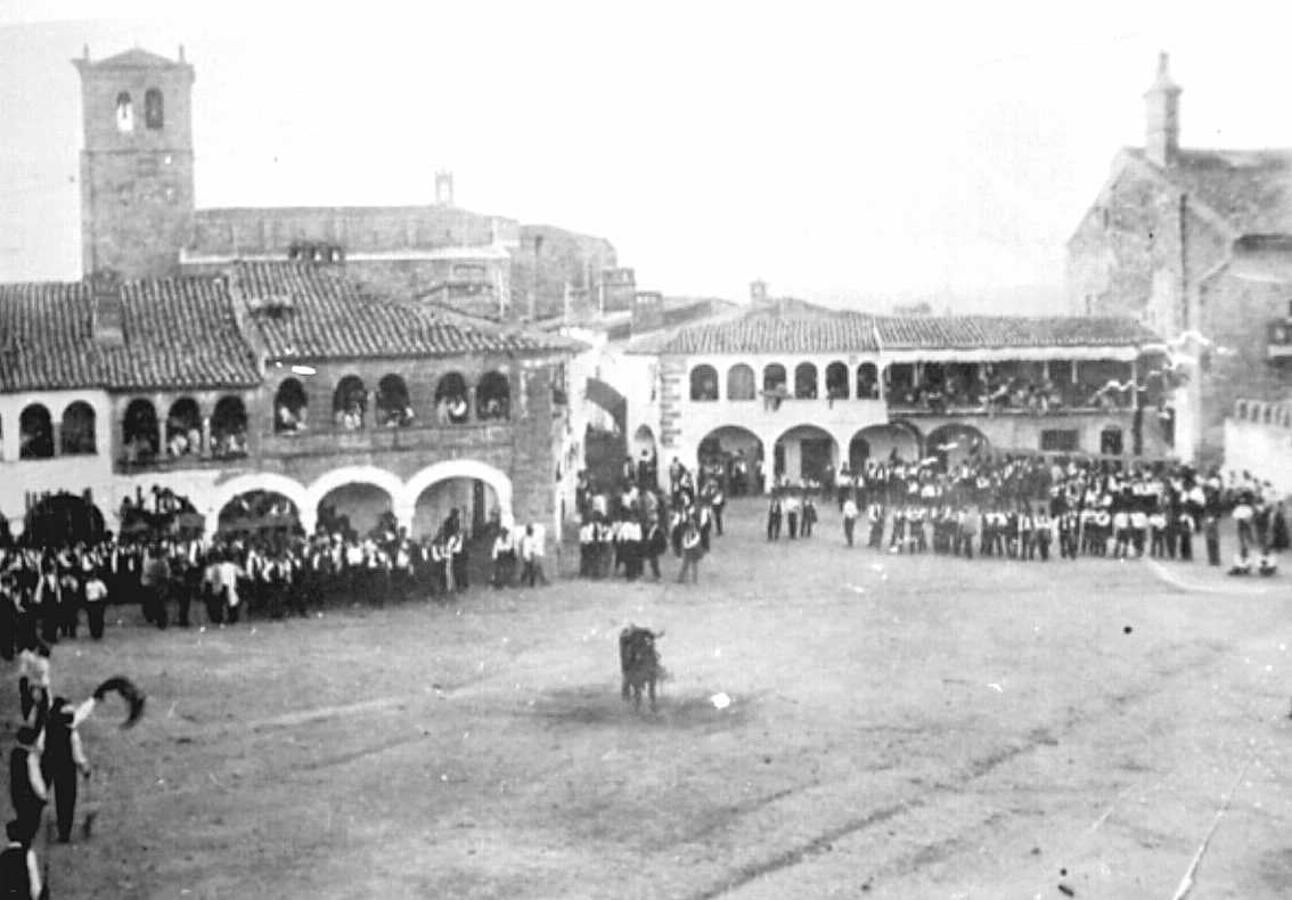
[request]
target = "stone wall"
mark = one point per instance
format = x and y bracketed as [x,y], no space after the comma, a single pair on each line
[1258,440]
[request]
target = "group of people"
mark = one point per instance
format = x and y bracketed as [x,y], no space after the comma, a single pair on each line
[631,527]
[48,591]
[46,762]
[1028,508]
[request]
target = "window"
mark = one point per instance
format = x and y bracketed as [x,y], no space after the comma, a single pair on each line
[140,436]
[1059,440]
[184,428]
[740,383]
[125,113]
[291,405]
[452,406]
[774,379]
[154,117]
[229,428]
[493,397]
[350,403]
[394,410]
[836,381]
[1110,442]
[867,382]
[76,437]
[35,433]
[805,376]
[704,383]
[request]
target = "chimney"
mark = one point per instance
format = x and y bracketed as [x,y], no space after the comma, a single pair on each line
[1162,116]
[618,290]
[648,311]
[107,314]
[758,292]
[443,188]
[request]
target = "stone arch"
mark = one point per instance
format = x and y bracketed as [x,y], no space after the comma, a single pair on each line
[371,476]
[736,452]
[882,439]
[804,451]
[955,442]
[406,500]
[605,396]
[223,494]
[56,519]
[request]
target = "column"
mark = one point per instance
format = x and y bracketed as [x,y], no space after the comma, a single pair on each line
[206,437]
[1134,384]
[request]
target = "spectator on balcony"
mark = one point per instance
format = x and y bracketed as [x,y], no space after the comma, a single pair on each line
[494,408]
[350,417]
[774,396]
[397,416]
[289,420]
[452,410]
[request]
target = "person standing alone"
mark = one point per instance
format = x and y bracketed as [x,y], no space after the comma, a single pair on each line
[850,513]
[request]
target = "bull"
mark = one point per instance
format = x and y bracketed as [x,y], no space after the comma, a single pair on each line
[639,663]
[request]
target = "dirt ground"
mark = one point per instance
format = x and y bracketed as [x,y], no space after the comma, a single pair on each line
[899,727]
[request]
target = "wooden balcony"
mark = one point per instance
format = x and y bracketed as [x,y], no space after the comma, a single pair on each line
[439,438]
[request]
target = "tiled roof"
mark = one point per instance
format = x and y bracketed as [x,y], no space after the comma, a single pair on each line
[137,57]
[1252,189]
[330,318]
[974,332]
[178,333]
[805,328]
[767,331]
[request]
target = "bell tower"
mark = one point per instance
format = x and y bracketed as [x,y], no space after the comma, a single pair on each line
[136,163]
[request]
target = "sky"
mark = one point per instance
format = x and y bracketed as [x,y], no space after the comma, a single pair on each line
[847,153]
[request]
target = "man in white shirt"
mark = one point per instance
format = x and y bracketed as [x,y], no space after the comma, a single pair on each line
[531,554]
[850,513]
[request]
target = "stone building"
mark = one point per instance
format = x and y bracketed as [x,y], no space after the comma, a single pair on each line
[284,378]
[803,388]
[1196,244]
[139,218]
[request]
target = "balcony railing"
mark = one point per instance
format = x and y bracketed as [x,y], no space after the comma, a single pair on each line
[980,409]
[322,441]
[166,463]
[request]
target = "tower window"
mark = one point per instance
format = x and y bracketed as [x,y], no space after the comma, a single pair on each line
[125,113]
[154,115]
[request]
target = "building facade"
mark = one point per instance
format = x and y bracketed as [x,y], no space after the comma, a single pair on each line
[1197,245]
[806,390]
[139,217]
[274,378]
